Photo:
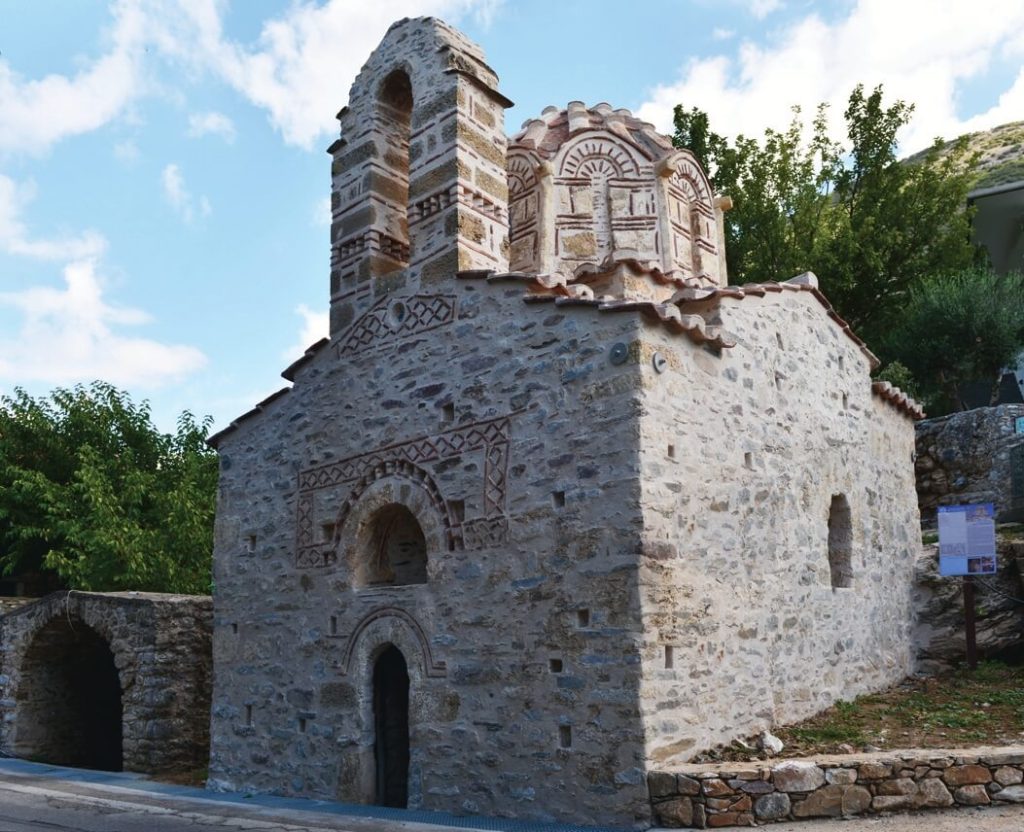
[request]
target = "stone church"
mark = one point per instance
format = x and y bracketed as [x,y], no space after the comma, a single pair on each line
[554,505]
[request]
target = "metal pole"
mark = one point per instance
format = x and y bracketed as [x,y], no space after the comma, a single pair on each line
[972,644]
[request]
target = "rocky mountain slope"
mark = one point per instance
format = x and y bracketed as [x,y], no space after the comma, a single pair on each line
[1000,155]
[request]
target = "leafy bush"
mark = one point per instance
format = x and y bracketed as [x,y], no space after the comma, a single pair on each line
[95,493]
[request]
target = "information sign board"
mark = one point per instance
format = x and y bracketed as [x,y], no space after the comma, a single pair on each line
[967,540]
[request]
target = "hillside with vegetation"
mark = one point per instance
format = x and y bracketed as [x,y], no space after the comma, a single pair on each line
[999,152]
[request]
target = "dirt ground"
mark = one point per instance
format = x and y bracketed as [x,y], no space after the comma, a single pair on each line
[960,710]
[988,819]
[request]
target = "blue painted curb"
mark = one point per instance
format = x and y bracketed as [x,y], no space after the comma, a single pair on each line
[142,783]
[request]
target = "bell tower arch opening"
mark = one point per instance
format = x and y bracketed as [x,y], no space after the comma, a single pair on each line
[69,699]
[394,115]
[391,728]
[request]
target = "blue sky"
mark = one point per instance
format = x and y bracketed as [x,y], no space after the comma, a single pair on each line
[164,186]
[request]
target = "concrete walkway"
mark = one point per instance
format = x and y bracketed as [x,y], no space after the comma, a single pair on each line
[35,797]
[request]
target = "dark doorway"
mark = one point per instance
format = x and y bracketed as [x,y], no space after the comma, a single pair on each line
[391,727]
[69,699]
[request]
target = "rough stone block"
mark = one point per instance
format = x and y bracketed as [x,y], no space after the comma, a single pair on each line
[889,803]
[772,806]
[973,795]
[966,775]
[1008,776]
[874,771]
[797,776]
[730,819]
[1007,758]
[660,784]
[675,813]
[841,776]
[856,800]
[902,786]
[716,788]
[1010,794]
[825,802]
[932,793]
[755,786]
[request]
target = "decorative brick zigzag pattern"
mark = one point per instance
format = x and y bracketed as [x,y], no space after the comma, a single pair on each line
[492,437]
[391,319]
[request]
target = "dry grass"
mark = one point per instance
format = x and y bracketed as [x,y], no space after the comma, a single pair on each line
[959,710]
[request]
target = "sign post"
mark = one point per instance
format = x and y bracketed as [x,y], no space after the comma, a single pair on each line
[967,547]
[969,625]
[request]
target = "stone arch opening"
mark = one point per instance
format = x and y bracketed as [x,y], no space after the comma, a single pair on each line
[391,728]
[840,542]
[69,699]
[392,188]
[398,548]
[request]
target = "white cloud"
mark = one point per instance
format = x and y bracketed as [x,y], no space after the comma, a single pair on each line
[70,335]
[36,113]
[720,33]
[315,325]
[16,239]
[299,69]
[301,66]
[321,214]
[179,196]
[919,52]
[212,123]
[127,152]
[762,8]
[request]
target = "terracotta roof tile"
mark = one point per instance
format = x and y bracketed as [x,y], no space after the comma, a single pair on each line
[289,372]
[214,440]
[898,399]
[558,288]
[805,282]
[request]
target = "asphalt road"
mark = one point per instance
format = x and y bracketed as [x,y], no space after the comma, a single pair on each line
[41,799]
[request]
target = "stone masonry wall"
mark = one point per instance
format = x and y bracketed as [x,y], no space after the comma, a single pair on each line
[576,545]
[513,437]
[744,794]
[420,194]
[161,650]
[972,457]
[743,452]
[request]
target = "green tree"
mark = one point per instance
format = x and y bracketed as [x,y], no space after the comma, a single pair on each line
[95,493]
[868,225]
[959,327]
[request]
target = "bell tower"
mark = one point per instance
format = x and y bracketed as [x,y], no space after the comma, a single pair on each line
[419,189]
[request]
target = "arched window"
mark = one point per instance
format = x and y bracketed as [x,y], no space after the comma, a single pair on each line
[840,542]
[695,235]
[398,549]
[392,188]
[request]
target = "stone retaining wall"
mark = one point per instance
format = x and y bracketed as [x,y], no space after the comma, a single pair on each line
[939,642]
[749,794]
[157,650]
[972,457]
